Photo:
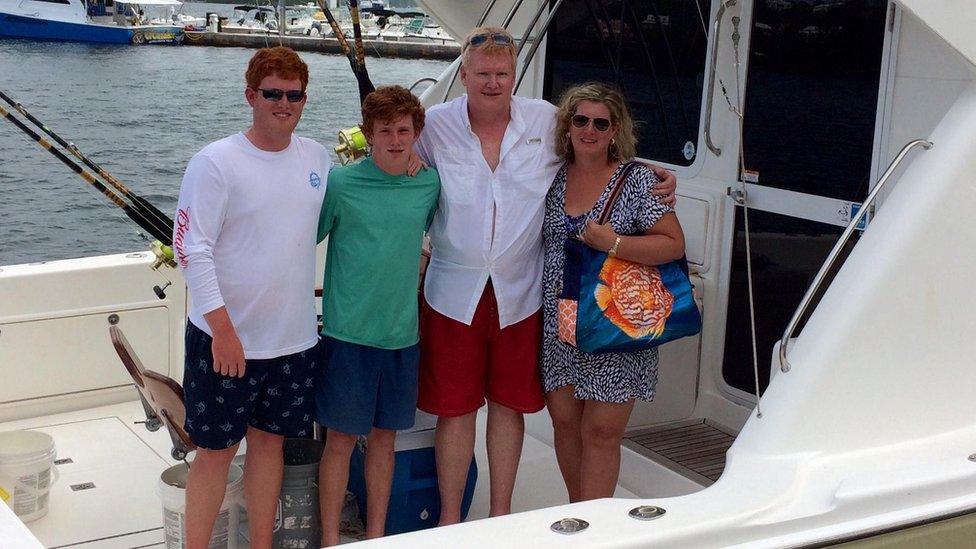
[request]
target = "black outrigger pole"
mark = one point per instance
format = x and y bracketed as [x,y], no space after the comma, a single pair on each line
[149,222]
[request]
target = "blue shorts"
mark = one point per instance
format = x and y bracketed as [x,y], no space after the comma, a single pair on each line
[362,387]
[275,395]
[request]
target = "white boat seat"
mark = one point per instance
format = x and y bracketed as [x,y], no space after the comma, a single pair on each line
[162,397]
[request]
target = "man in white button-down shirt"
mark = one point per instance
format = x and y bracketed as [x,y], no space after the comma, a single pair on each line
[481,326]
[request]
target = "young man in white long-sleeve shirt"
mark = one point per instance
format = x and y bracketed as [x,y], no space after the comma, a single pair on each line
[245,241]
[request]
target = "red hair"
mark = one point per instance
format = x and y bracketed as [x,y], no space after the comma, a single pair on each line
[389,103]
[278,61]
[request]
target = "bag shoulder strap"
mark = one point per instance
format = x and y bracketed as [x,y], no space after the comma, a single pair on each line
[618,185]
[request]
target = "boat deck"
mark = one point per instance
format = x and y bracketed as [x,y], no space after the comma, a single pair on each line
[109,466]
[695,449]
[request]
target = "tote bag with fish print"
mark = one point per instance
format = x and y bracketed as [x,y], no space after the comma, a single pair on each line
[611,305]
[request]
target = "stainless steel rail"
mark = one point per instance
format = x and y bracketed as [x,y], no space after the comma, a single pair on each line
[710,97]
[538,41]
[528,29]
[511,14]
[421,81]
[784,363]
[484,14]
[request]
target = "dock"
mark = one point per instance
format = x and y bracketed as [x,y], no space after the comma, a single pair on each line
[373,48]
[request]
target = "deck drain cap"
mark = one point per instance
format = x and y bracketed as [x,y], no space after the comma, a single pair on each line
[647,512]
[569,526]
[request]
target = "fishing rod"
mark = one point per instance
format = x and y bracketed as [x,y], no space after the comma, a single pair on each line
[356,58]
[352,142]
[362,77]
[161,233]
[337,32]
[149,211]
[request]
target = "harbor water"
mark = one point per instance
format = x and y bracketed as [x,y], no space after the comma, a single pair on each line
[141,113]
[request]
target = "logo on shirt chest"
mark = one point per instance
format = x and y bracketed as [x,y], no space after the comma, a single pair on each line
[314,180]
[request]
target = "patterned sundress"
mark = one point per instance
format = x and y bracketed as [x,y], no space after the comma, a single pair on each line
[609,377]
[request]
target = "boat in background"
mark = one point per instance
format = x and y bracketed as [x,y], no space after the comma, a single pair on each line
[306,20]
[73,20]
[424,28]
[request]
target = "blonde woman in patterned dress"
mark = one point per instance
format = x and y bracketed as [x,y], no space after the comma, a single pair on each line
[590,396]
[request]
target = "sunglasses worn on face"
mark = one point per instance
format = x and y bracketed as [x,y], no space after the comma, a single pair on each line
[275,94]
[581,121]
[497,38]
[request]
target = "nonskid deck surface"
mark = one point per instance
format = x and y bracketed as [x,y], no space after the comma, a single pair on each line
[106,495]
[108,466]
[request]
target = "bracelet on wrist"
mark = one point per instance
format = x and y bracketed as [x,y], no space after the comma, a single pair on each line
[612,252]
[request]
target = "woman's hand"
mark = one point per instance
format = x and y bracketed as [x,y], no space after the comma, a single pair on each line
[415,164]
[598,237]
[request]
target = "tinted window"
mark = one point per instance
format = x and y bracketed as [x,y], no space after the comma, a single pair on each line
[812,94]
[654,51]
[811,103]
[787,253]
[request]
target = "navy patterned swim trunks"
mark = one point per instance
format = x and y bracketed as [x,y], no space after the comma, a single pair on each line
[276,395]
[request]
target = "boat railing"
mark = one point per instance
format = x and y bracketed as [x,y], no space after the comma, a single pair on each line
[421,81]
[538,41]
[828,265]
[710,91]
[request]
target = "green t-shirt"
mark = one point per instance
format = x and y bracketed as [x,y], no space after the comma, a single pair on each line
[375,223]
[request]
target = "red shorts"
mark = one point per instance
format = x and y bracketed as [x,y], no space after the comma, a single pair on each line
[461,365]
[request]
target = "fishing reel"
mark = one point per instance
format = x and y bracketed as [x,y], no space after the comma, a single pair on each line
[352,145]
[164,255]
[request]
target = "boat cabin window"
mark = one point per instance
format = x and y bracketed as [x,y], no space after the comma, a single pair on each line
[811,106]
[812,95]
[653,51]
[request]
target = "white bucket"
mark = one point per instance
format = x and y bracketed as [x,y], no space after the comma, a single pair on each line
[172,490]
[27,472]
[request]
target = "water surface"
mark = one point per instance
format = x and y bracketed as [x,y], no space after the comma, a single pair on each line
[140,112]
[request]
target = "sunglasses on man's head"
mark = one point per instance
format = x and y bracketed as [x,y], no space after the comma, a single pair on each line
[275,94]
[581,121]
[496,37]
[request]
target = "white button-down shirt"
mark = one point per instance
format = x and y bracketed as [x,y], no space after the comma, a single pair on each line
[465,251]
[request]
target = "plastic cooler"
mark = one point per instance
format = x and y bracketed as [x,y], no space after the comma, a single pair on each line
[414,499]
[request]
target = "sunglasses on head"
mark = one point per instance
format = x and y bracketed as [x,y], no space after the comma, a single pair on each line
[496,37]
[275,94]
[581,121]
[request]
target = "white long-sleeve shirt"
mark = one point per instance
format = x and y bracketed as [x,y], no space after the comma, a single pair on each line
[245,237]
[466,251]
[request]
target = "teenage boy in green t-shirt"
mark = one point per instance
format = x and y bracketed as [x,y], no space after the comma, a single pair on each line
[375,216]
